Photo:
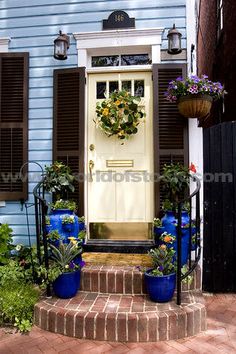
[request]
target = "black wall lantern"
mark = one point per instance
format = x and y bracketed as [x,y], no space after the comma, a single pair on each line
[174,41]
[61,45]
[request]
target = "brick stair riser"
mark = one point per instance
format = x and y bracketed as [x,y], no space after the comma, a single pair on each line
[117,281]
[123,327]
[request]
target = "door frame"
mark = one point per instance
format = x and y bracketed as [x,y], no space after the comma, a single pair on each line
[127,41]
[108,71]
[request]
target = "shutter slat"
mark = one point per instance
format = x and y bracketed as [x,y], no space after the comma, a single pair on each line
[14,69]
[170,128]
[68,132]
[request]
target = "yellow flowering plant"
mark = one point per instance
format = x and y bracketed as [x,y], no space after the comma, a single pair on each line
[119,115]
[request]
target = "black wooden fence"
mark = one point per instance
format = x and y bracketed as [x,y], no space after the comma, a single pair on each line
[219,251]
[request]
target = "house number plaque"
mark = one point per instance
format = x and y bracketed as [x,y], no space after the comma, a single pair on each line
[118,19]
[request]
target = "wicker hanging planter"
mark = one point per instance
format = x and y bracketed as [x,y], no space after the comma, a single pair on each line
[195,106]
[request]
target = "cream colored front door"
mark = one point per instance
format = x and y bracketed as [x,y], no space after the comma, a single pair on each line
[120,190]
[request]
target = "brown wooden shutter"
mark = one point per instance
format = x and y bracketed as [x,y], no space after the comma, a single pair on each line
[170,128]
[14,69]
[68,130]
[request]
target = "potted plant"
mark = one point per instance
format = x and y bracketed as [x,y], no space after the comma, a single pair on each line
[68,222]
[161,278]
[54,238]
[194,95]
[48,224]
[58,180]
[119,115]
[158,229]
[175,181]
[63,218]
[67,279]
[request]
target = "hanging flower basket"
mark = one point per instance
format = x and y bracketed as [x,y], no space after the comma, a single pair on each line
[194,95]
[195,106]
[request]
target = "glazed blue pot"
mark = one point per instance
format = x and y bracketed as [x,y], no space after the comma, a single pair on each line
[67,227]
[185,218]
[55,243]
[48,228]
[66,285]
[160,288]
[158,231]
[56,217]
[81,226]
[169,222]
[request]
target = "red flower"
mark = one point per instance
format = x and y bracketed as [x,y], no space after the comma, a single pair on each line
[192,168]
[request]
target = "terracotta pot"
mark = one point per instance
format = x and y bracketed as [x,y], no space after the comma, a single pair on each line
[195,106]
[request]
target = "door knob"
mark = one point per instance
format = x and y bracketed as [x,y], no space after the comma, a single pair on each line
[91,166]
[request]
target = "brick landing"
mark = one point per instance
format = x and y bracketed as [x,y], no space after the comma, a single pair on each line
[219,338]
[122,318]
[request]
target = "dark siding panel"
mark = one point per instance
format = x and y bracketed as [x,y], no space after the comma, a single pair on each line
[219,209]
[68,144]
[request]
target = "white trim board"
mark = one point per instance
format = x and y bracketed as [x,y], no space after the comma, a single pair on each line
[4,43]
[126,41]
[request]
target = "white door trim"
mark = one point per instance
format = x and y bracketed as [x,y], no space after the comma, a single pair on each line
[126,40]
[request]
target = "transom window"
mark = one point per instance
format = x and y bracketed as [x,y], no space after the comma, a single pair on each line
[120,60]
[105,88]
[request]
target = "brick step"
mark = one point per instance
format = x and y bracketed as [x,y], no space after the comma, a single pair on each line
[123,318]
[123,280]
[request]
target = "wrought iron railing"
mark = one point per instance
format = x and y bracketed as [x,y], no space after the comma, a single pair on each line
[194,203]
[41,209]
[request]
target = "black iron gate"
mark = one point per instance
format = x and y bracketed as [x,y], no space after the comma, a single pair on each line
[219,251]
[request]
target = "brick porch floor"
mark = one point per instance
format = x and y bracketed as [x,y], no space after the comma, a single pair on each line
[220,337]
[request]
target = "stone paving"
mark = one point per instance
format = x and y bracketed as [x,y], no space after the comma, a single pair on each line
[220,337]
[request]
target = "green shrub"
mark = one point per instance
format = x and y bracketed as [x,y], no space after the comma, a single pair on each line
[17,302]
[5,243]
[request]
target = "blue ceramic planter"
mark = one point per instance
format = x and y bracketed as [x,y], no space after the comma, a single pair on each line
[158,231]
[56,217]
[160,288]
[169,223]
[66,285]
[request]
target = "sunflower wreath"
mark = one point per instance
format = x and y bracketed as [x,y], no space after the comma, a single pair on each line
[119,115]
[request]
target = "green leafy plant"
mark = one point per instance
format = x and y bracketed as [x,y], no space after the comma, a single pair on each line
[64,255]
[157,222]
[17,300]
[82,235]
[58,179]
[119,115]
[5,243]
[64,204]
[68,219]
[175,180]
[163,260]
[53,235]
[81,219]
[47,220]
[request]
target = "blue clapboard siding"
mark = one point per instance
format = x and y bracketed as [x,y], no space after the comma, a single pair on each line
[33,25]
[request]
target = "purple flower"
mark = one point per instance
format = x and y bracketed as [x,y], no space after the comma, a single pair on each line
[71,265]
[161,268]
[204,76]
[82,263]
[179,78]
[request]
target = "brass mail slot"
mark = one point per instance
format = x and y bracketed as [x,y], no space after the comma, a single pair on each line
[120,163]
